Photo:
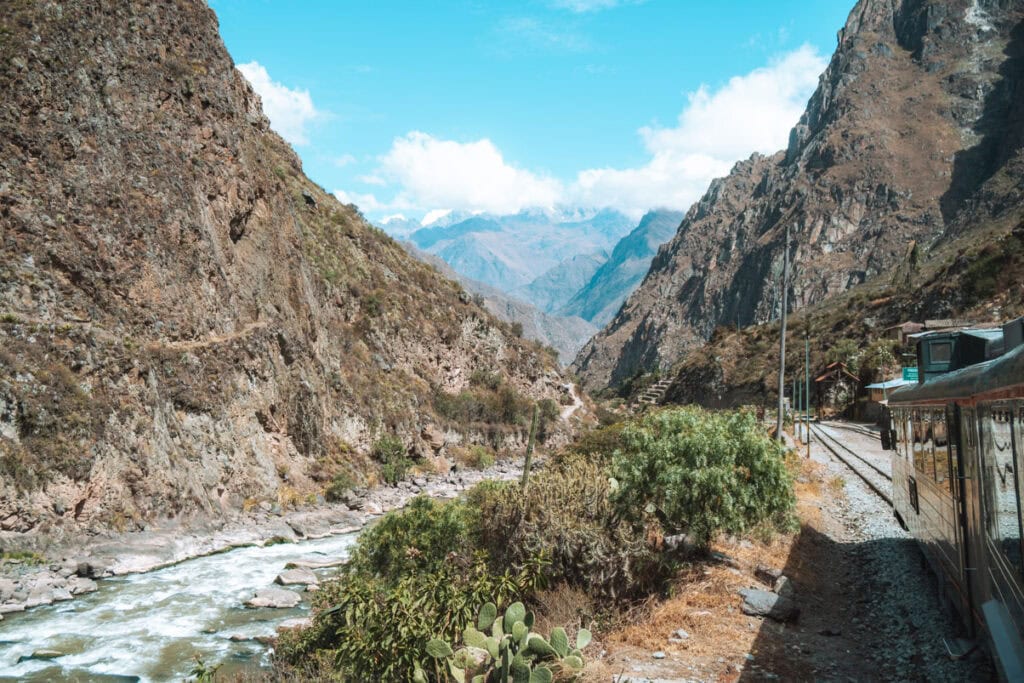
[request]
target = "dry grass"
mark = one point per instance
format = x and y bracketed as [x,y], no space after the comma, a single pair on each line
[705,603]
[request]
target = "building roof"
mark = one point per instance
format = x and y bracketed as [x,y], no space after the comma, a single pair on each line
[908,326]
[890,384]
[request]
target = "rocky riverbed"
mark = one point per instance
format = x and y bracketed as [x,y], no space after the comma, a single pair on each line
[58,570]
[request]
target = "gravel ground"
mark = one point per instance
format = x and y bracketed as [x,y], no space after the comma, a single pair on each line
[901,623]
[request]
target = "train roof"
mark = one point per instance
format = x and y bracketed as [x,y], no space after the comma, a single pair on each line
[999,373]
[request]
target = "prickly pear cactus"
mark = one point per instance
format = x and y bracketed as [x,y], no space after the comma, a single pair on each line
[511,653]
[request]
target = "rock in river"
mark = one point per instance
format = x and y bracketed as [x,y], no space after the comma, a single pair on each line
[293,577]
[274,597]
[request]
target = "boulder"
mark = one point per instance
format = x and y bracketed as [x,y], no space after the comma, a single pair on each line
[12,607]
[41,654]
[292,624]
[433,436]
[274,598]
[760,603]
[7,588]
[92,569]
[309,525]
[783,586]
[40,595]
[767,575]
[79,586]
[297,576]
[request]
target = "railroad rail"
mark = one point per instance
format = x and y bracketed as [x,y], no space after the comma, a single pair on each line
[824,438]
[857,429]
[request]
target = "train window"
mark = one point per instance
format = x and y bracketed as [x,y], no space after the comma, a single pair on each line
[924,461]
[940,443]
[999,464]
[941,352]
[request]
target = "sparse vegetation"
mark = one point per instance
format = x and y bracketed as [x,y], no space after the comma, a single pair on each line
[418,576]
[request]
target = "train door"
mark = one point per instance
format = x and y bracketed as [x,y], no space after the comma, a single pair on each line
[972,547]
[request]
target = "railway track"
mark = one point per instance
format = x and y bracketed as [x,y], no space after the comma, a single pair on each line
[877,479]
[857,429]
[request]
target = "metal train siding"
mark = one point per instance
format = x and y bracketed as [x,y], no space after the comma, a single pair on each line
[957,487]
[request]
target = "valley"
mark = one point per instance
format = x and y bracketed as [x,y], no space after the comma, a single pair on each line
[347,346]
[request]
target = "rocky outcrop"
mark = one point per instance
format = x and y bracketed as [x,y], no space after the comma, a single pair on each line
[187,323]
[909,119]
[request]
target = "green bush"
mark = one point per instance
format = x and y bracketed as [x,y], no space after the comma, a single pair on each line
[702,473]
[478,457]
[341,484]
[391,453]
[418,538]
[485,379]
[369,628]
[566,514]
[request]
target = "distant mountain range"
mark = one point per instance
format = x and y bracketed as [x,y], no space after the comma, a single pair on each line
[601,297]
[565,334]
[566,265]
[511,252]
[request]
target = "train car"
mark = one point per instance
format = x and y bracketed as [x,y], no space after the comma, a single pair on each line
[958,444]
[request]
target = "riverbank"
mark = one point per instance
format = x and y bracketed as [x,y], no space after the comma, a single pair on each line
[46,570]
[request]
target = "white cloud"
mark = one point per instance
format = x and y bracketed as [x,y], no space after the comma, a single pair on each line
[289,111]
[365,202]
[344,160]
[393,217]
[716,128]
[750,113]
[470,176]
[435,215]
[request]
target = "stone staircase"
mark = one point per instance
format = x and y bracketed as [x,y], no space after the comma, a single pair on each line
[653,394]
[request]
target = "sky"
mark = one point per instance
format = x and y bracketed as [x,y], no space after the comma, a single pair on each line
[414,109]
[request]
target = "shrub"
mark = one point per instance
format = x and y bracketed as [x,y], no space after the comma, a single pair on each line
[478,457]
[368,628]
[485,379]
[418,538]
[701,473]
[341,484]
[567,515]
[391,453]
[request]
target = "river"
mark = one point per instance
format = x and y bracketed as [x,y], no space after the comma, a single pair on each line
[149,626]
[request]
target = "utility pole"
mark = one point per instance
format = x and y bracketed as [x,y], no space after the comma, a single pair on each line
[529,447]
[807,386]
[782,336]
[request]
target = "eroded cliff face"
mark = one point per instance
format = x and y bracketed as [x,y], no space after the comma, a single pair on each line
[186,321]
[909,120]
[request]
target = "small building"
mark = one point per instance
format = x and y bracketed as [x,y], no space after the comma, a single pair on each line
[879,391]
[836,389]
[902,331]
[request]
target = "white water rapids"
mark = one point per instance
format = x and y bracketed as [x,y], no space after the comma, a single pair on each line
[149,626]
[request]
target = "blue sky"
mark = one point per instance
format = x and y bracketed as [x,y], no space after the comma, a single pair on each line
[418,107]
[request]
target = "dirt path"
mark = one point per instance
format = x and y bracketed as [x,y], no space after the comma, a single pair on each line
[577,402]
[209,341]
[868,606]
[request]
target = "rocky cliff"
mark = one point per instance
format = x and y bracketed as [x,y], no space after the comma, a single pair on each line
[917,109]
[187,323]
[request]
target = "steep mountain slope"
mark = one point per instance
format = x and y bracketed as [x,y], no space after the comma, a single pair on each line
[900,134]
[564,334]
[512,251]
[553,289]
[186,321]
[600,299]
